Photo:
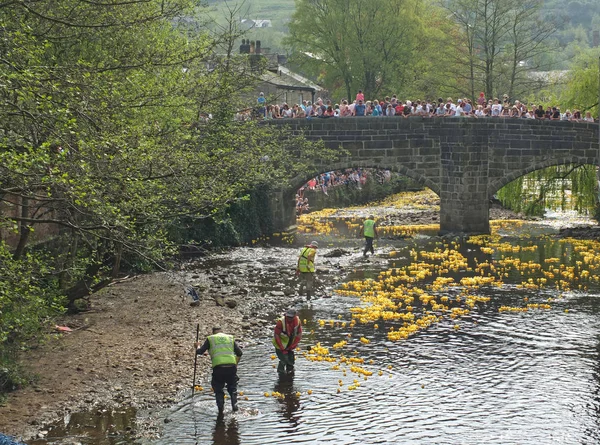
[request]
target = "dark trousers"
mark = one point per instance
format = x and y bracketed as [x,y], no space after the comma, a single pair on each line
[368,246]
[286,361]
[221,376]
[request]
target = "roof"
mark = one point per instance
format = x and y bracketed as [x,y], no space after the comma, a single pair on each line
[286,79]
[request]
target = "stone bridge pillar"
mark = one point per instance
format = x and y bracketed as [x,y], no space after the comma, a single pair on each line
[464,204]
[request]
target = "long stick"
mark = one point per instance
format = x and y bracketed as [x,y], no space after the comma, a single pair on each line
[195,357]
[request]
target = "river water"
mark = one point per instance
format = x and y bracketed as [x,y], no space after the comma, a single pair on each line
[493,377]
[485,370]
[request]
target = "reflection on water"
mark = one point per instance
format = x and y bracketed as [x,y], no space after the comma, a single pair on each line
[226,432]
[290,402]
[98,427]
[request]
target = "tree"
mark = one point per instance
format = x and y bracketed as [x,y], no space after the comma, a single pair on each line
[372,46]
[581,91]
[501,42]
[115,119]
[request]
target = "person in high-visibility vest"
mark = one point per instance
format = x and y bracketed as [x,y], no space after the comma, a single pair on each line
[287,335]
[369,231]
[225,354]
[306,268]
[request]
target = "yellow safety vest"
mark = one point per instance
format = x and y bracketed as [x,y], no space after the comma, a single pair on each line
[286,336]
[221,349]
[369,228]
[304,265]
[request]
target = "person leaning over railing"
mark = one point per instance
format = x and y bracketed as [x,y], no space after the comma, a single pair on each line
[423,108]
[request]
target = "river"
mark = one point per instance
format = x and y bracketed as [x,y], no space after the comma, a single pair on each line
[504,348]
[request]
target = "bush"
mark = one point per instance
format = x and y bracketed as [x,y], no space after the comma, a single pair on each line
[12,376]
[242,221]
[27,303]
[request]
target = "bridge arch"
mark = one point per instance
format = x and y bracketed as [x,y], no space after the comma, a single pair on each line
[495,186]
[299,181]
[464,160]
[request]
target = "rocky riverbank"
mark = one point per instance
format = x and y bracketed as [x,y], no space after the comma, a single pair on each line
[133,348]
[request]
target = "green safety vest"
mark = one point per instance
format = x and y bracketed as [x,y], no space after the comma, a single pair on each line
[221,349]
[286,337]
[369,228]
[304,265]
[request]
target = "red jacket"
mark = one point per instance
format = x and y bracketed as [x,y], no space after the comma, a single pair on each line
[288,330]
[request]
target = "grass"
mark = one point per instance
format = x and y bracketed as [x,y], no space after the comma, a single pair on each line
[278,11]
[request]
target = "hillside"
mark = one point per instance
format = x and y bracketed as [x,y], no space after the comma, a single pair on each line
[279,12]
[577,20]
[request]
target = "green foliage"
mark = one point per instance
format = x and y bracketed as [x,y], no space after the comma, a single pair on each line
[105,137]
[561,187]
[373,46]
[12,375]
[239,223]
[28,298]
[499,44]
[581,90]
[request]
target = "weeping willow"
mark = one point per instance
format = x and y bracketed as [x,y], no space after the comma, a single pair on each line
[561,187]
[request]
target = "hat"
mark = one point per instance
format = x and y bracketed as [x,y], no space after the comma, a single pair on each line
[291,313]
[314,244]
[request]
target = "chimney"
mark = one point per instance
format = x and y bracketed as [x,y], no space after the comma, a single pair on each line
[245,46]
[252,45]
[257,47]
[596,39]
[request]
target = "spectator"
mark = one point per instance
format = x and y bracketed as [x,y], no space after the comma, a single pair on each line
[539,112]
[262,103]
[496,108]
[481,100]
[359,109]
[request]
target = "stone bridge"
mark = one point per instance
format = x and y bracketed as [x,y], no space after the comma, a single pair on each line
[464,160]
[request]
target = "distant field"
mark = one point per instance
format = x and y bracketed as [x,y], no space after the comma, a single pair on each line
[278,11]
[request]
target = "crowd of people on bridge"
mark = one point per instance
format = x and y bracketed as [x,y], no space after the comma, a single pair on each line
[350,177]
[392,106]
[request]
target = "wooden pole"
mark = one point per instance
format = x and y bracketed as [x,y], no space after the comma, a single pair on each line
[195,358]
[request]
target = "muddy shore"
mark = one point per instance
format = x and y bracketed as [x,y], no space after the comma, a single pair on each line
[133,348]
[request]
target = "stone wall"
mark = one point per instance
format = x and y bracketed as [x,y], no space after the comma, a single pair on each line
[464,160]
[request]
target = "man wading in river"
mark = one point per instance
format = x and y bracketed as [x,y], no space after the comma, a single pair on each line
[306,268]
[225,354]
[287,335]
[369,231]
